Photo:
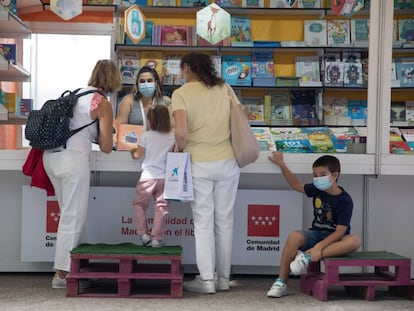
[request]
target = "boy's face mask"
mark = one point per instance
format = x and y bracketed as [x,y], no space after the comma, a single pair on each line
[322,183]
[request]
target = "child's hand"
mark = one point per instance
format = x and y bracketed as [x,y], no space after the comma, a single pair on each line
[134,153]
[276,157]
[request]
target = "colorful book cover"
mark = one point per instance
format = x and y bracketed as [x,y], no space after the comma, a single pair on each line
[359,31]
[254,108]
[408,135]
[11,102]
[236,69]
[338,32]
[152,59]
[26,105]
[309,4]
[8,51]
[405,71]
[353,74]
[129,65]
[264,138]
[253,3]
[397,112]
[280,108]
[262,64]
[128,3]
[409,112]
[291,140]
[341,137]
[228,3]
[315,32]
[174,35]
[304,107]
[128,136]
[194,3]
[334,73]
[171,70]
[163,3]
[358,112]
[241,31]
[406,30]
[319,139]
[399,147]
[288,4]
[307,68]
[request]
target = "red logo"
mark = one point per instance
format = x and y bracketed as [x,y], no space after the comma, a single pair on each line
[52,216]
[263,220]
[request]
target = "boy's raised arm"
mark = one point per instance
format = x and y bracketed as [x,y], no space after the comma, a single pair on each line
[277,158]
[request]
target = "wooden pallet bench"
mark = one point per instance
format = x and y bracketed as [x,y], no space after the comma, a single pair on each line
[389,270]
[125,270]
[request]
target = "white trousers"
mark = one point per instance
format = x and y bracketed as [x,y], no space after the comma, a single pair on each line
[70,175]
[215,188]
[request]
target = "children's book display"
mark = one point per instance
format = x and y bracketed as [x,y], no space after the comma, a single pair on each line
[171,71]
[278,108]
[315,32]
[263,69]
[254,108]
[360,32]
[352,69]
[397,114]
[405,71]
[334,70]
[307,68]
[408,135]
[397,143]
[175,35]
[152,59]
[129,65]
[236,69]
[253,3]
[304,111]
[339,33]
[341,137]
[241,34]
[319,139]
[290,140]
[264,138]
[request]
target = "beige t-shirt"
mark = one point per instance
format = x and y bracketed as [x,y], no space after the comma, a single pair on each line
[208,120]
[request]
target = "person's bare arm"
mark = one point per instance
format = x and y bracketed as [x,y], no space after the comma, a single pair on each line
[180,118]
[105,117]
[125,108]
[277,158]
[316,251]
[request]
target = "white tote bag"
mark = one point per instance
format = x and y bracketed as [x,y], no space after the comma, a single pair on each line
[178,184]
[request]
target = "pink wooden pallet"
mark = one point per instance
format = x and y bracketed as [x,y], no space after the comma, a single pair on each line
[390,270]
[133,274]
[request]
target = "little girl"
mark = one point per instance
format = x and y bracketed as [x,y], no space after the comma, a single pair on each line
[155,144]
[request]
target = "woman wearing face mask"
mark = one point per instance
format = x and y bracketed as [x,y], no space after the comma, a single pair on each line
[147,91]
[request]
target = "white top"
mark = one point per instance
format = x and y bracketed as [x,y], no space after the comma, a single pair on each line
[156,147]
[82,141]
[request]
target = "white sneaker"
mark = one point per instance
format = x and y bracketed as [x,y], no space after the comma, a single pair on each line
[222,283]
[155,243]
[145,239]
[300,264]
[201,286]
[277,290]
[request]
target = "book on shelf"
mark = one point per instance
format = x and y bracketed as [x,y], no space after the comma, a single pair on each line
[397,114]
[358,112]
[254,108]
[304,107]
[290,140]
[409,112]
[307,68]
[399,147]
[319,139]
[339,33]
[408,135]
[129,65]
[309,4]
[262,64]
[128,3]
[334,73]
[341,137]
[163,2]
[9,53]
[278,108]
[194,3]
[11,136]
[315,32]
[171,70]
[405,71]
[175,35]
[406,30]
[100,2]
[286,81]
[241,31]
[237,69]
[11,101]
[269,82]
[264,138]
[360,32]
[353,74]
[152,59]
[228,3]
[26,105]
[252,3]
[288,4]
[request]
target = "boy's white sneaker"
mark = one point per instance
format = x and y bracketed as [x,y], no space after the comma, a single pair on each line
[300,264]
[145,239]
[198,285]
[278,289]
[155,243]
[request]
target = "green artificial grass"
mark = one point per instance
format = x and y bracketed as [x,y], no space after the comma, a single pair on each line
[126,248]
[379,255]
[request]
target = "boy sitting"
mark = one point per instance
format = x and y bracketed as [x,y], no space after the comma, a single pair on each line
[330,232]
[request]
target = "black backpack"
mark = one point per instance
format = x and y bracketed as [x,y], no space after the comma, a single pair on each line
[48,127]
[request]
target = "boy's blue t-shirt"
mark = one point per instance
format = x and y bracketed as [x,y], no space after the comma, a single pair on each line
[330,210]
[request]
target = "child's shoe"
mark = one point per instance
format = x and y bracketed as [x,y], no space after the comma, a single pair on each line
[145,239]
[278,289]
[198,285]
[155,243]
[58,282]
[300,264]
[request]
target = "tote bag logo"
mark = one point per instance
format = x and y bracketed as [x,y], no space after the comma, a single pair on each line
[263,220]
[174,173]
[52,216]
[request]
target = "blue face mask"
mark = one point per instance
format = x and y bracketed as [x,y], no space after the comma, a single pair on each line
[322,183]
[147,89]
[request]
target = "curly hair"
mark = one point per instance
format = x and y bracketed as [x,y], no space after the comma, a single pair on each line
[202,66]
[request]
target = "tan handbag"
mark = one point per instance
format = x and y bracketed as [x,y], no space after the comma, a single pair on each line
[244,142]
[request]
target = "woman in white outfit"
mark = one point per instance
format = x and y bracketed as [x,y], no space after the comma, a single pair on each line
[68,168]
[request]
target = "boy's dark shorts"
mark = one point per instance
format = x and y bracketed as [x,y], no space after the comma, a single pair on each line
[312,237]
